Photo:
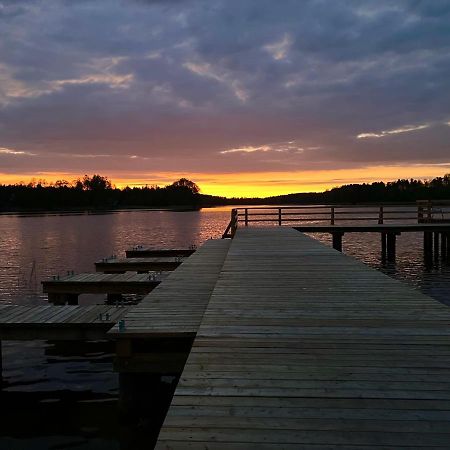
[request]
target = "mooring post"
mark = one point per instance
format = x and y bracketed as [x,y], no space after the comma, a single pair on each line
[337,240]
[383,245]
[279,217]
[332,215]
[391,241]
[246,217]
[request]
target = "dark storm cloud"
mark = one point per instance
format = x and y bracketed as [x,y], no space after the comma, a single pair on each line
[179,82]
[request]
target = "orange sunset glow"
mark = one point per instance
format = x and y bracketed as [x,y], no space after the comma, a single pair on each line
[250,184]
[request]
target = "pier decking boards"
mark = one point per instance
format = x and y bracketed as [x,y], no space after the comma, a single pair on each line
[176,307]
[120,265]
[301,346]
[58,322]
[101,283]
[168,319]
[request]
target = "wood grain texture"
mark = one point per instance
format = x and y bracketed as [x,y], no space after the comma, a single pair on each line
[303,347]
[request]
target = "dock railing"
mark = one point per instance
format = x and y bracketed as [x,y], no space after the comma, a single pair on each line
[419,212]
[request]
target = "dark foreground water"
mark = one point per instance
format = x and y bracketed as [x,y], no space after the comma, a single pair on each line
[62,395]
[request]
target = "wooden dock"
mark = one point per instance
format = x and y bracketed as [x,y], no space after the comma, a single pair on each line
[167,319]
[436,236]
[70,322]
[141,265]
[303,347]
[148,252]
[67,289]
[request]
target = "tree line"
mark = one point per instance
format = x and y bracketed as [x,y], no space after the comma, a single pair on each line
[95,192]
[98,192]
[402,190]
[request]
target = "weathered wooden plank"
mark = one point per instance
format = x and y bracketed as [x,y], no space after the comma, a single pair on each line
[302,346]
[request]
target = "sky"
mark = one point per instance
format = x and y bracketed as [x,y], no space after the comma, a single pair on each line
[244,97]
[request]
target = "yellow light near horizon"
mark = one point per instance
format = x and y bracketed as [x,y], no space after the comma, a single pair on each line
[250,184]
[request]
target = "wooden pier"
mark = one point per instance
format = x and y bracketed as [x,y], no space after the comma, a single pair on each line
[301,346]
[62,290]
[140,265]
[436,236]
[430,218]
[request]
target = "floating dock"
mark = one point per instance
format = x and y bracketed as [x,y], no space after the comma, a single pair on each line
[141,265]
[67,289]
[147,252]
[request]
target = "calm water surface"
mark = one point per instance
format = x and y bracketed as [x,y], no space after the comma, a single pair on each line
[62,395]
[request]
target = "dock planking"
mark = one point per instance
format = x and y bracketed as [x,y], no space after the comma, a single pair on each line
[121,265]
[148,252]
[71,322]
[101,283]
[159,330]
[176,306]
[303,347]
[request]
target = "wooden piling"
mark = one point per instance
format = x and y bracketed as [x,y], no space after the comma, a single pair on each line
[383,246]
[391,246]
[337,241]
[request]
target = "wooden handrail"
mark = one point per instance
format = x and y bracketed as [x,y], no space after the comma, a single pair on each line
[379,213]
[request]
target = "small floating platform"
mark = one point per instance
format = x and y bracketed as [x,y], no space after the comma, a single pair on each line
[147,252]
[121,265]
[70,322]
[67,289]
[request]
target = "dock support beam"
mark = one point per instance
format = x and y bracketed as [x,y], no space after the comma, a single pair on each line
[337,240]
[391,246]
[383,246]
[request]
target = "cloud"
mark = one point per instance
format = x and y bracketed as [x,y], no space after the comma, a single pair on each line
[10,151]
[207,70]
[223,85]
[279,50]
[403,129]
[290,147]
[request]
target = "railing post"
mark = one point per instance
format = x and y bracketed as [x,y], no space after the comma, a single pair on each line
[419,214]
[279,217]
[246,217]
[381,216]
[429,212]
[332,215]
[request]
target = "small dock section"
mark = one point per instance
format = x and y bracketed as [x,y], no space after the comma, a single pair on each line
[67,289]
[148,252]
[140,265]
[70,322]
[301,346]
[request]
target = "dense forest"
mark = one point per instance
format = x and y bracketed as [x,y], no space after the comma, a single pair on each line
[394,191]
[97,192]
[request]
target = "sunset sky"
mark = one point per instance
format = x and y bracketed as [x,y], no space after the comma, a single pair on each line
[244,97]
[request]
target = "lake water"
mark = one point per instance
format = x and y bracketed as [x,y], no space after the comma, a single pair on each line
[63,395]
